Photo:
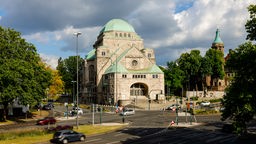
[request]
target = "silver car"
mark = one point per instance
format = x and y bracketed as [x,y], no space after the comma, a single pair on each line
[127,112]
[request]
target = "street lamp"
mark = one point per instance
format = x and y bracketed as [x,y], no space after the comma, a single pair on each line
[77,34]
[73,92]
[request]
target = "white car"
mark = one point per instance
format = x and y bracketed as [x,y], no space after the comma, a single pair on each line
[127,112]
[75,111]
[205,103]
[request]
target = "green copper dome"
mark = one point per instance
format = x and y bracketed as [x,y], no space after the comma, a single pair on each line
[117,25]
[217,37]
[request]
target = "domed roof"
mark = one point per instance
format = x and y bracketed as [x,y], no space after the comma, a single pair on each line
[217,37]
[117,25]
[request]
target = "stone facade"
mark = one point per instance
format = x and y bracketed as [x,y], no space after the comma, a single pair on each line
[119,69]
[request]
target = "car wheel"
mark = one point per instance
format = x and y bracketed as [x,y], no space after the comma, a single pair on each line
[82,138]
[65,141]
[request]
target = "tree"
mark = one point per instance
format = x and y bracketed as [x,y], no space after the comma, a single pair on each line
[190,64]
[240,98]
[214,64]
[57,85]
[23,76]
[250,25]
[174,77]
[68,71]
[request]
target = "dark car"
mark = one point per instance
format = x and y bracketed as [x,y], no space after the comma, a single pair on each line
[46,120]
[48,106]
[66,136]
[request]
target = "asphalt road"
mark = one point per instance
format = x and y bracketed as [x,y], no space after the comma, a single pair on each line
[153,127]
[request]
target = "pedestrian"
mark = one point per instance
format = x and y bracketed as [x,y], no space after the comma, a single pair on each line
[172,122]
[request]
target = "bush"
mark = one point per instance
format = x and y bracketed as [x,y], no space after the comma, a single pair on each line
[215,100]
[57,128]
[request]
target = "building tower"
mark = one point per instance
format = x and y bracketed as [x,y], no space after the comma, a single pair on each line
[218,44]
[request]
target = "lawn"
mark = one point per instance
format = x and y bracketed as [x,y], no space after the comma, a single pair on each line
[32,136]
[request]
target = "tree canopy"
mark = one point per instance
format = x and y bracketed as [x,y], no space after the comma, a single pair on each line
[250,25]
[57,85]
[22,74]
[240,98]
[68,71]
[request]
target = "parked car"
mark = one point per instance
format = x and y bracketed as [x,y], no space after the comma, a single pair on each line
[172,107]
[205,103]
[66,136]
[46,120]
[127,112]
[48,106]
[75,111]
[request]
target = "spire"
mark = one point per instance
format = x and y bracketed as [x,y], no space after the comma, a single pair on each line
[217,37]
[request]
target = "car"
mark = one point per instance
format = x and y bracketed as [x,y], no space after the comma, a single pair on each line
[172,107]
[75,111]
[48,106]
[66,136]
[46,120]
[127,112]
[205,103]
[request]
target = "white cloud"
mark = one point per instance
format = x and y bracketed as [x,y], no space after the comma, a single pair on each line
[51,60]
[170,27]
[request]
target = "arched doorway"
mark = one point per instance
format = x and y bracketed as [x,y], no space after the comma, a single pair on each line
[139,90]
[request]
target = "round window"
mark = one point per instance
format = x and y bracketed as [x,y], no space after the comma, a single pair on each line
[134,63]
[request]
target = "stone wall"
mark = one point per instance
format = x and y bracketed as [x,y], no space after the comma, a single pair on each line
[206,95]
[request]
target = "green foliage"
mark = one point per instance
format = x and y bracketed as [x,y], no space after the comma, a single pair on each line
[174,76]
[214,64]
[240,98]
[215,100]
[194,98]
[190,64]
[22,74]
[68,71]
[204,111]
[250,25]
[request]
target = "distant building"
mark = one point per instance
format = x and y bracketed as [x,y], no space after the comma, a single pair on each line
[220,84]
[119,69]
[216,84]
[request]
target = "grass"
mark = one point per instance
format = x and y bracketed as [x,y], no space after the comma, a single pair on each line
[33,135]
[7,122]
[203,111]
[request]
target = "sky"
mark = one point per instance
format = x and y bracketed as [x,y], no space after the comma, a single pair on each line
[170,27]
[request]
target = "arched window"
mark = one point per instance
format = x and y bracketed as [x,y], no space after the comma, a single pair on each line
[138,89]
[91,73]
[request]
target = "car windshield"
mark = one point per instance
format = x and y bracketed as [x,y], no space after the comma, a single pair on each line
[128,110]
[57,134]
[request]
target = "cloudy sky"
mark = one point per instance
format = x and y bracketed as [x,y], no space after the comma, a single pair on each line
[170,27]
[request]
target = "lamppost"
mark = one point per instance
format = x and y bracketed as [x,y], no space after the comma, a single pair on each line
[77,34]
[176,110]
[73,93]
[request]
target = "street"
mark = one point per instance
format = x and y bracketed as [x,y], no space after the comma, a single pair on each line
[153,127]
